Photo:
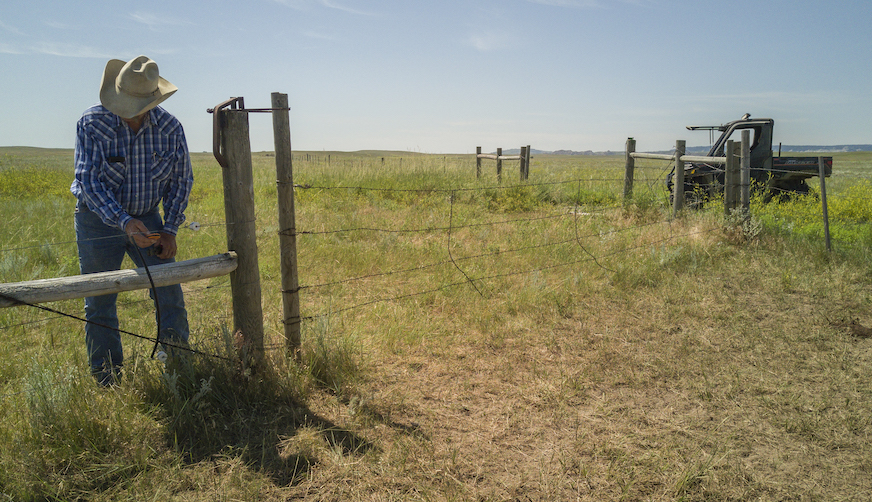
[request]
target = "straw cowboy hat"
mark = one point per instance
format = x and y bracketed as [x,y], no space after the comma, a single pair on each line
[132,88]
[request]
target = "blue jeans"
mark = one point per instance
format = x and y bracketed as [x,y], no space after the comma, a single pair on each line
[101,249]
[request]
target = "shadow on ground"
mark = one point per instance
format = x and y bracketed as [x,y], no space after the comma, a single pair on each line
[212,410]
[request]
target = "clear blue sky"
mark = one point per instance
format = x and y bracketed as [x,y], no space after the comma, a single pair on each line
[445,76]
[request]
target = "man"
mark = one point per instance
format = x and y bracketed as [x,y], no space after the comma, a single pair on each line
[131,157]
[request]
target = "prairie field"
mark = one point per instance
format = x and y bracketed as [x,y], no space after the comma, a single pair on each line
[463,338]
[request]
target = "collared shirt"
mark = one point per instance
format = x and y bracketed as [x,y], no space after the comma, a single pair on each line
[121,174]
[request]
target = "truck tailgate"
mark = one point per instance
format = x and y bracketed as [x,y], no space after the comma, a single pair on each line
[807,166]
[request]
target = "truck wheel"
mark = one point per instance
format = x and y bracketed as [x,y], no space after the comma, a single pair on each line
[693,199]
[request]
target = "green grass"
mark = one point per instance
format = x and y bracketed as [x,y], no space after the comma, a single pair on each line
[604,351]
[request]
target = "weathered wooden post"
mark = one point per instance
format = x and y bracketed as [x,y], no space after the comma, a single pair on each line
[287,224]
[478,162]
[731,178]
[527,164]
[523,162]
[678,179]
[629,168]
[241,231]
[499,166]
[746,173]
[822,174]
[529,156]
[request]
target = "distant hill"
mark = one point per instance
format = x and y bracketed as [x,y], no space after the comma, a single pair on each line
[702,150]
[836,148]
[533,151]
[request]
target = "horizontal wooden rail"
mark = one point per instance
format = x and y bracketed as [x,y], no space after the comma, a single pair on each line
[103,283]
[684,158]
[655,156]
[709,160]
[500,157]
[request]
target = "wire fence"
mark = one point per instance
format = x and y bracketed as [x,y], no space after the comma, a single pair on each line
[573,236]
[576,244]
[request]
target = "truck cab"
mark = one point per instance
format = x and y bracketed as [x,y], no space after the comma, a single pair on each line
[761,139]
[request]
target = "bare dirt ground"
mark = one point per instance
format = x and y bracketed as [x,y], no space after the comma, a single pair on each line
[731,396]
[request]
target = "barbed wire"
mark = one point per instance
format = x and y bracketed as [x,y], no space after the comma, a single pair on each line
[418,230]
[435,190]
[156,340]
[120,304]
[498,276]
[453,260]
[451,256]
[483,255]
[578,240]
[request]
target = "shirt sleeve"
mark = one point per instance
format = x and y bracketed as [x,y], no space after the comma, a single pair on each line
[89,162]
[178,190]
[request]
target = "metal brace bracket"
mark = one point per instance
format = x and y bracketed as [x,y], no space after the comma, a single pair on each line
[234,104]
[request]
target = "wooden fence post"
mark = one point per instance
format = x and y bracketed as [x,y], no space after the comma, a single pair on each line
[287,224]
[822,174]
[499,166]
[678,179]
[746,173]
[731,178]
[523,162]
[241,233]
[477,162]
[629,168]
[527,164]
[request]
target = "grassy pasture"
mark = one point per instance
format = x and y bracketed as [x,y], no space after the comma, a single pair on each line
[604,351]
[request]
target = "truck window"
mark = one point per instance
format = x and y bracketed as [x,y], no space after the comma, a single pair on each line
[736,136]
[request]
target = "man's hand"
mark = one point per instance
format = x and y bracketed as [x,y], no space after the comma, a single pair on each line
[167,245]
[138,232]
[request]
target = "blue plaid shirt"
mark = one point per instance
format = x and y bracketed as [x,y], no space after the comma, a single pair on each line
[121,174]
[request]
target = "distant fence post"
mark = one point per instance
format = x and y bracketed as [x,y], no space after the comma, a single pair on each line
[822,174]
[629,168]
[499,165]
[478,162]
[678,179]
[746,173]
[527,164]
[523,159]
[241,232]
[287,223]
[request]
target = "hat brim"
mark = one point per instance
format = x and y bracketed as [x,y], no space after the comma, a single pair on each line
[124,105]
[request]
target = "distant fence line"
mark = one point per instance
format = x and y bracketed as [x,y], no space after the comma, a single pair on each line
[524,157]
[329,160]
